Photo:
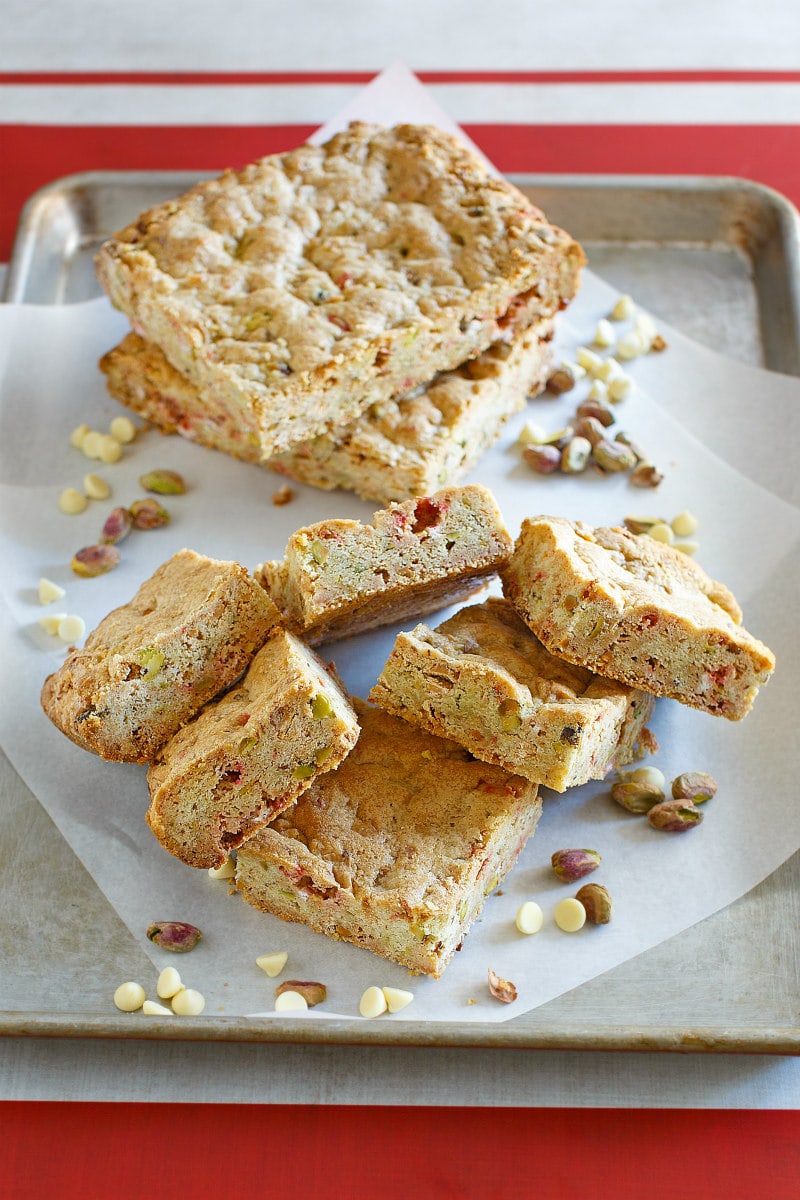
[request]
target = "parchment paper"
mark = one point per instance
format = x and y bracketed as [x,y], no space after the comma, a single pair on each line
[743,492]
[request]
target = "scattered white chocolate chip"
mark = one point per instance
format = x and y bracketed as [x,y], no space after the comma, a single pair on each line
[397,998]
[123,429]
[529,917]
[77,436]
[49,591]
[531,434]
[129,997]
[604,335]
[575,369]
[110,449]
[645,327]
[290,1002]
[570,915]
[689,548]
[71,628]
[188,1003]
[226,871]
[373,1003]
[648,775]
[51,622]
[620,387]
[92,441]
[623,309]
[72,502]
[273,964]
[151,1009]
[630,345]
[95,487]
[588,359]
[609,369]
[598,390]
[169,983]
[661,532]
[685,524]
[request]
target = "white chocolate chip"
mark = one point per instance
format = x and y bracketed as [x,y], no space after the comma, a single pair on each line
[71,628]
[689,548]
[91,443]
[151,1009]
[620,387]
[630,345]
[574,369]
[604,335]
[96,487]
[273,964]
[397,998]
[661,532]
[169,983]
[123,429]
[51,622]
[570,915]
[129,997]
[649,775]
[645,327]
[529,917]
[290,1001]
[598,391]
[49,591]
[588,359]
[77,436]
[372,1003]
[609,369]
[188,1003]
[110,449]
[685,524]
[623,309]
[72,502]
[226,871]
[531,434]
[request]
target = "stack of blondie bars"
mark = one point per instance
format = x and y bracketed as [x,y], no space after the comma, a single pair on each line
[364,314]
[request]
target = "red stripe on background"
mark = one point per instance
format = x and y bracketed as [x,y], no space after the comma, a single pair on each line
[72,1151]
[278,78]
[33,155]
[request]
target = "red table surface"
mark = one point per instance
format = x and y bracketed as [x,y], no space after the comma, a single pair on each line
[352,1152]
[33,155]
[120,1150]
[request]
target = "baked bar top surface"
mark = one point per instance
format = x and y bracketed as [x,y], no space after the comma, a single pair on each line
[189,631]
[311,284]
[404,822]
[483,679]
[636,610]
[249,754]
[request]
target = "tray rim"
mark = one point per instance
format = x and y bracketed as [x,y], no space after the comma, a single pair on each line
[780,1040]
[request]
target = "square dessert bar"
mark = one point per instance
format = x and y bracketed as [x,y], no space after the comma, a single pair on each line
[149,666]
[311,285]
[482,679]
[250,754]
[399,448]
[395,851]
[340,577]
[636,610]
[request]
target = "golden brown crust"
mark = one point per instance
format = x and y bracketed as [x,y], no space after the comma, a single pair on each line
[397,849]
[311,285]
[638,611]
[150,665]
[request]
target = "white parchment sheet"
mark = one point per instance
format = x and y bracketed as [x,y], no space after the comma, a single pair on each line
[661,884]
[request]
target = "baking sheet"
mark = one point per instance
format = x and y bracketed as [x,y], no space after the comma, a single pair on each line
[605,1024]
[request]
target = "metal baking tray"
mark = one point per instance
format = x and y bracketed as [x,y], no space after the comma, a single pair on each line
[717,258]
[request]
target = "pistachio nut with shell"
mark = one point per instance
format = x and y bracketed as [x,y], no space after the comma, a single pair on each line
[177,936]
[571,865]
[697,786]
[148,514]
[95,560]
[163,482]
[675,816]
